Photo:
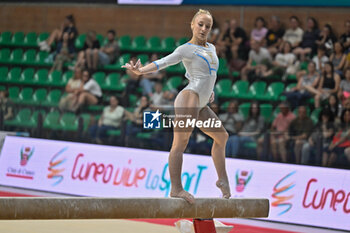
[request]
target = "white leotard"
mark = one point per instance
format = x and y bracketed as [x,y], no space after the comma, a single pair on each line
[201,65]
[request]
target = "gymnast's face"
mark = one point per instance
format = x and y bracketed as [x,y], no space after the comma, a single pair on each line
[201,27]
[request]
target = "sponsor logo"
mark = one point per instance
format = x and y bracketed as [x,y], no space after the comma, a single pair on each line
[26,154]
[281,194]
[23,173]
[242,179]
[55,167]
[151,120]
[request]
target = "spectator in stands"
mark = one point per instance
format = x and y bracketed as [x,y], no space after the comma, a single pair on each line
[284,63]
[105,55]
[72,89]
[299,131]
[344,87]
[110,119]
[162,100]
[6,111]
[274,35]
[64,53]
[320,138]
[223,42]
[262,59]
[68,26]
[294,34]
[259,31]
[214,33]
[334,106]
[305,88]
[329,84]
[147,80]
[91,42]
[232,119]
[340,144]
[157,96]
[338,58]
[327,38]
[308,44]
[345,37]
[279,133]
[89,94]
[252,129]
[321,58]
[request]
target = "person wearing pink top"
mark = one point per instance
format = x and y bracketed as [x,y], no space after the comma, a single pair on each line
[259,31]
[279,132]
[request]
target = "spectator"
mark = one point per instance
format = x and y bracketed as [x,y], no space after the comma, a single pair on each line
[294,34]
[223,42]
[329,84]
[162,100]
[334,106]
[157,96]
[64,53]
[68,26]
[250,132]
[320,138]
[345,37]
[299,131]
[327,38]
[308,44]
[232,119]
[110,119]
[305,88]
[338,58]
[344,87]
[89,94]
[284,63]
[258,55]
[279,132]
[274,35]
[321,58]
[91,42]
[259,31]
[5,106]
[340,144]
[72,89]
[147,80]
[105,55]
[214,33]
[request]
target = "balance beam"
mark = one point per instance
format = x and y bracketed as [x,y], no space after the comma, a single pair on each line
[129,208]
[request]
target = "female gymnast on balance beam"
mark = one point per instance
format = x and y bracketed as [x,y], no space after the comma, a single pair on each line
[201,63]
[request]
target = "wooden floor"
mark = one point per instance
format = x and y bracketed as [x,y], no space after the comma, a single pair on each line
[82,226]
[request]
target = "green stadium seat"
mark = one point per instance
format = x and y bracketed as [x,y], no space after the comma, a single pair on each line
[79,41]
[4,55]
[138,44]
[101,39]
[244,109]
[133,100]
[30,39]
[167,45]
[51,121]
[182,41]
[27,76]
[223,69]
[69,122]
[43,36]
[29,57]
[66,76]
[125,58]
[3,74]
[99,77]
[224,106]
[257,90]
[315,115]
[173,83]
[5,38]
[53,98]
[14,93]
[41,77]
[41,57]
[39,96]
[266,112]
[153,44]
[288,88]
[223,88]
[112,83]
[86,120]
[35,116]
[55,79]
[14,75]
[114,132]
[21,119]
[240,89]
[143,58]
[273,92]
[17,39]
[25,96]
[16,56]
[95,108]
[124,42]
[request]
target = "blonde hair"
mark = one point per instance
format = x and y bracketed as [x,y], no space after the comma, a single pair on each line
[199,12]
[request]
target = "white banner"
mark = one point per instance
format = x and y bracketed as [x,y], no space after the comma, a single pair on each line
[298,194]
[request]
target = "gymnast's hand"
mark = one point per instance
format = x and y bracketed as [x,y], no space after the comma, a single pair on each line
[134,68]
[212,97]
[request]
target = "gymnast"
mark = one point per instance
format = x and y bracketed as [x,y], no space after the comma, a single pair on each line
[201,63]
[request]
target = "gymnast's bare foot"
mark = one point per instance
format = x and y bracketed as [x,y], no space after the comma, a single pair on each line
[224,187]
[183,194]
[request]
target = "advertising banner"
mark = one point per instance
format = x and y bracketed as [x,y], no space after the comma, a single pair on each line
[298,194]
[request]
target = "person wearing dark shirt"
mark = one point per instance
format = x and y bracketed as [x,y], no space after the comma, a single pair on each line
[68,26]
[91,42]
[327,38]
[345,38]
[274,35]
